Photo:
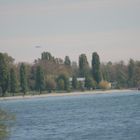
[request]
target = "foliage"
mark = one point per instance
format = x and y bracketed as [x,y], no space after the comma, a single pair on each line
[4,74]
[74,68]
[67,61]
[39,81]
[51,84]
[9,60]
[96,67]
[50,73]
[90,83]
[83,66]
[115,73]
[104,85]
[121,76]
[31,77]
[81,86]
[13,81]
[105,72]
[23,78]
[53,66]
[63,82]
[47,56]
[74,82]
[131,72]
[135,78]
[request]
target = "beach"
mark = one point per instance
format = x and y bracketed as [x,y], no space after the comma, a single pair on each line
[64,94]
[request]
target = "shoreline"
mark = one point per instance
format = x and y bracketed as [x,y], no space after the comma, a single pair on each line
[64,94]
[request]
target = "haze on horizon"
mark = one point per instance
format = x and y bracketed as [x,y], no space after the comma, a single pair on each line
[70,27]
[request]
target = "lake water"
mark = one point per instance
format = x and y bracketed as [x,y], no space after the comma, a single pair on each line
[84,117]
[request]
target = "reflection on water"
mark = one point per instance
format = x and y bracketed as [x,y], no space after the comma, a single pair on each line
[5,120]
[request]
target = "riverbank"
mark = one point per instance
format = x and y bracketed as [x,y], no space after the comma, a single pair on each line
[64,94]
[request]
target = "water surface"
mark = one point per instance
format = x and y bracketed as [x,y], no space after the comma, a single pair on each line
[85,117]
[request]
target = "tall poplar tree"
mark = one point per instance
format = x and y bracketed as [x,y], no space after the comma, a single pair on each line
[13,81]
[74,82]
[96,72]
[83,66]
[131,72]
[39,81]
[4,74]
[23,78]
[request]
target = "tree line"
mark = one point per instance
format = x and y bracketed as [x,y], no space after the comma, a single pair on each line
[53,74]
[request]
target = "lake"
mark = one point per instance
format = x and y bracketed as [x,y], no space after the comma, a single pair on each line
[84,117]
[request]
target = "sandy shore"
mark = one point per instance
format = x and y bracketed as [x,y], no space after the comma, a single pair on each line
[62,94]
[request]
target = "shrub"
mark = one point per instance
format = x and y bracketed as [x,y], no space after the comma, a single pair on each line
[104,85]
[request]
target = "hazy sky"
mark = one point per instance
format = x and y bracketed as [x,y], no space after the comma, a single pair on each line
[70,27]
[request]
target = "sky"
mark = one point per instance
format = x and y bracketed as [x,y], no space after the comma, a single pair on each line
[70,27]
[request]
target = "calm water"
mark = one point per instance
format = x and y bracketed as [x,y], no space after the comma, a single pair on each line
[84,117]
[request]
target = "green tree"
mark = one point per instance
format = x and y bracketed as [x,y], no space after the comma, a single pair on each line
[32,77]
[96,72]
[67,61]
[90,83]
[74,68]
[61,84]
[46,56]
[137,76]
[74,82]
[50,84]
[13,81]
[23,78]
[105,72]
[81,86]
[4,74]
[121,79]
[83,66]
[9,60]
[64,78]
[131,73]
[40,80]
